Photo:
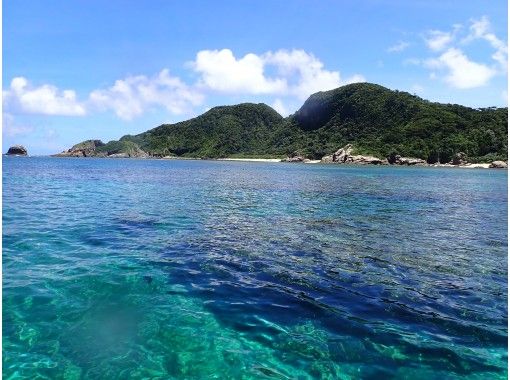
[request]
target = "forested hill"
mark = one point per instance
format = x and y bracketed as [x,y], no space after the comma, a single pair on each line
[379,121]
[220,132]
[376,120]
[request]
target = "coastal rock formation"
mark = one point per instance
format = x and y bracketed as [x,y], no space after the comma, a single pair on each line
[498,165]
[410,161]
[459,159]
[84,149]
[295,157]
[395,159]
[17,150]
[364,160]
[344,156]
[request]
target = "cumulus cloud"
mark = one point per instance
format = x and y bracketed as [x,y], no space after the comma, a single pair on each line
[461,72]
[130,97]
[298,73]
[221,71]
[400,46]
[453,64]
[304,73]
[46,99]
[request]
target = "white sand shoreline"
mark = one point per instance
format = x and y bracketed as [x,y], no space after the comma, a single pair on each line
[251,159]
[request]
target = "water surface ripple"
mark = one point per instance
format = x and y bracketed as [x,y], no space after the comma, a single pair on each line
[117,269]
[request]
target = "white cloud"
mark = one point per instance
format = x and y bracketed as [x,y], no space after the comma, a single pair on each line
[130,97]
[437,40]
[400,46]
[298,73]
[480,29]
[45,99]
[461,72]
[453,64]
[221,71]
[310,75]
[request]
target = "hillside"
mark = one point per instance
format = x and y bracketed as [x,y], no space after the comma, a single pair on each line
[220,132]
[379,121]
[376,120]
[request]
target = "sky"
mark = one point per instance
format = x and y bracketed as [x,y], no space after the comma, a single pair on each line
[94,69]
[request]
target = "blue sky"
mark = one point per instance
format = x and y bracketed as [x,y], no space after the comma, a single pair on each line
[75,70]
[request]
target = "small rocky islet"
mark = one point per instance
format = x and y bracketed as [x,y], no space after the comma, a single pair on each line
[17,150]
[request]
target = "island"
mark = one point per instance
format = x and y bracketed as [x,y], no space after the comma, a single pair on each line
[361,123]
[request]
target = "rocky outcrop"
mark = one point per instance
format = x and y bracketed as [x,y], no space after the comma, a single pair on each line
[410,161]
[344,156]
[296,157]
[395,159]
[498,165]
[17,150]
[84,149]
[459,159]
[365,160]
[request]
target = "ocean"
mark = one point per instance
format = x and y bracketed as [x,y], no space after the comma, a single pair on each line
[169,269]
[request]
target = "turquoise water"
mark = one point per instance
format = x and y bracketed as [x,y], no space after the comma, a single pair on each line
[146,269]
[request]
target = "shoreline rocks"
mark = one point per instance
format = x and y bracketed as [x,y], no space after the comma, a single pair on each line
[295,157]
[17,150]
[395,159]
[459,159]
[498,165]
[344,156]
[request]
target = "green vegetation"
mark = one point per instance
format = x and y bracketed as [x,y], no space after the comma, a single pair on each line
[379,121]
[220,132]
[376,120]
[115,147]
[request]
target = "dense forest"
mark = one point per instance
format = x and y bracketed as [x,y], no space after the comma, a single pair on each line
[376,120]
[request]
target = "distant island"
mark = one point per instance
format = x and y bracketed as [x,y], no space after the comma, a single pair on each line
[355,121]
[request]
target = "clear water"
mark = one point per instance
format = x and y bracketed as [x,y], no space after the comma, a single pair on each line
[145,269]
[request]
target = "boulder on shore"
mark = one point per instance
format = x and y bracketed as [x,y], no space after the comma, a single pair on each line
[17,150]
[344,156]
[295,157]
[395,159]
[459,159]
[363,160]
[498,165]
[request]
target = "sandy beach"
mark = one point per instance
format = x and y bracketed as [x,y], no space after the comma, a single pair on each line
[251,159]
